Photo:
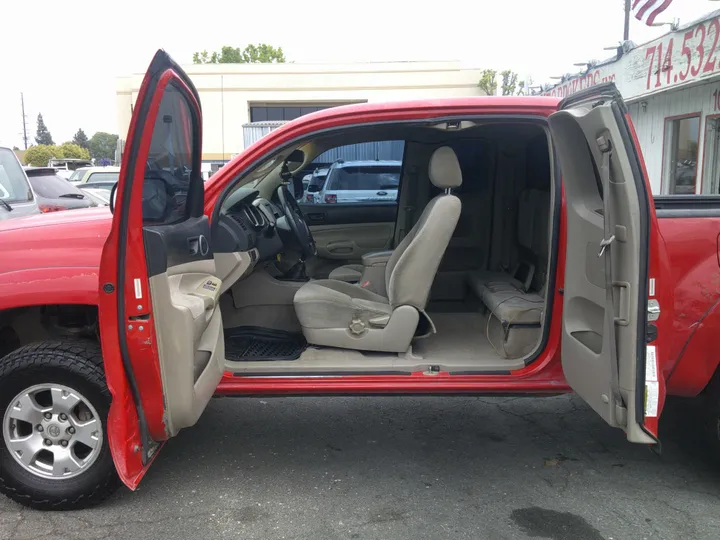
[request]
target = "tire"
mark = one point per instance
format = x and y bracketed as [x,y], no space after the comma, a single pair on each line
[75,365]
[712,415]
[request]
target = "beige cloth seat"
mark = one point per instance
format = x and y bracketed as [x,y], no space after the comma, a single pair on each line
[338,314]
[515,309]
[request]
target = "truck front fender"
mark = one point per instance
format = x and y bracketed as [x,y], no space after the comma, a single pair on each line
[53,285]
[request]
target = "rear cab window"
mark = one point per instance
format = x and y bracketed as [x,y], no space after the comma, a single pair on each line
[14,186]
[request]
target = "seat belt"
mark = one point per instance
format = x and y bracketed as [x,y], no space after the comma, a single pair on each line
[605,147]
[410,201]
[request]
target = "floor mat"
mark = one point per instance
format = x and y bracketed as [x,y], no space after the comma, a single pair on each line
[252,344]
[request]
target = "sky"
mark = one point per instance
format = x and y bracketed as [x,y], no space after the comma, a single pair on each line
[66,62]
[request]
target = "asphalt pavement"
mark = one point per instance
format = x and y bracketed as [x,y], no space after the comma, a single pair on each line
[406,468]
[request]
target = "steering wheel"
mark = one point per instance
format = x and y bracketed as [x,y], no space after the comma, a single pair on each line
[297,223]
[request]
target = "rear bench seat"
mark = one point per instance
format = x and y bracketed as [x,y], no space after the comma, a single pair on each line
[515,314]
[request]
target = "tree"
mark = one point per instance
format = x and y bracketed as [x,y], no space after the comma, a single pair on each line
[487,82]
[80,139]
[72,150]
[38,156]
[43,135]
[510,86]
[262,53]
[103,145]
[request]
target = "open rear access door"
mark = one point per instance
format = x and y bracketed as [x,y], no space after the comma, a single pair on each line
[610,228]
[160,321]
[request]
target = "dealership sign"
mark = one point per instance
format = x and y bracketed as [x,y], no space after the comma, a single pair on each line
[679,58]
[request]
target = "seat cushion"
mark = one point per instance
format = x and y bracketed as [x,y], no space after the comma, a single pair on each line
[328,303]
[478,279]
[512,306]
[351,273]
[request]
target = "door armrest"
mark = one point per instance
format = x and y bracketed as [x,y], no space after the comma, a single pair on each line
[377,258]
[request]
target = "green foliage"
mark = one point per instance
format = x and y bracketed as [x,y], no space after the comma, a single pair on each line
[38,156]
[102,145]
[72,150]
[262,53]
[509,83]
[43,135]
[81,139]
[487,82]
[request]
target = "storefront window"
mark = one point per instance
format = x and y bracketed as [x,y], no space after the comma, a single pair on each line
[682,136]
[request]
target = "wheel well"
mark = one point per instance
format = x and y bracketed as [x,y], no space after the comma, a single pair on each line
[21,326]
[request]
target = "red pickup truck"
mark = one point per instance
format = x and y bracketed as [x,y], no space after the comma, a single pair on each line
[490,274]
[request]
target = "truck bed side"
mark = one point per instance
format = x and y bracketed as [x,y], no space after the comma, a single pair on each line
[690,228]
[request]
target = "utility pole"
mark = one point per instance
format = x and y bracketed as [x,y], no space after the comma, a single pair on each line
[22,104]
[626,33]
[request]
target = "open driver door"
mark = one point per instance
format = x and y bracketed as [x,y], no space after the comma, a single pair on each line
[161,328]
[609,356]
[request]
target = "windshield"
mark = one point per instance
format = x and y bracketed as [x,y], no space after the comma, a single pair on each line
[103,177]
[52,186]
[13,183]
[364,178]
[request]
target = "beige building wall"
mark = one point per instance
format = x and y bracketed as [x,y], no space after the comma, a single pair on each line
[227,91]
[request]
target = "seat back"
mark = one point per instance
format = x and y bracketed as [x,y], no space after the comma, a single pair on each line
[410,272]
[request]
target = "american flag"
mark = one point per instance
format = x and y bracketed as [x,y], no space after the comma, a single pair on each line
[647,10]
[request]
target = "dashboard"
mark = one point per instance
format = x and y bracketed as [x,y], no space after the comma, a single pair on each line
[249,224]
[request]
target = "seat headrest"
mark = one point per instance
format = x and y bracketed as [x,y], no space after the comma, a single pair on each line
[444,170]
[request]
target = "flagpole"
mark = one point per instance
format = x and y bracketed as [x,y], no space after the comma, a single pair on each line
[626,33]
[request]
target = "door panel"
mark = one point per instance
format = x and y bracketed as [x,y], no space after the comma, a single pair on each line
[343,233]
[352,241]
[608,238]
[161,326]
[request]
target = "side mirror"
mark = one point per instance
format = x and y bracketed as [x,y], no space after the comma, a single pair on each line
[113,196]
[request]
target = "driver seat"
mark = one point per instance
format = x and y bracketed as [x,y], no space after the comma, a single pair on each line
[335,313]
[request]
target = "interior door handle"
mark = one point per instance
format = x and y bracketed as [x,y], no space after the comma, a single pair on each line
[316,217]
[381,193]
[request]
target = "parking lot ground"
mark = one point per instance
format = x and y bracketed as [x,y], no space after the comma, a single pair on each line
[407,468]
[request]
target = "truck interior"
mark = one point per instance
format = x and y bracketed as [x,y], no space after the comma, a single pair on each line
[453,277]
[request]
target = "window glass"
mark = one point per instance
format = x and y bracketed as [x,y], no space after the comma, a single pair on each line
[356,173]
[170,168]
[102,177]
[52,186]
[682,171]
[358,178]
[13,183]
[77,175]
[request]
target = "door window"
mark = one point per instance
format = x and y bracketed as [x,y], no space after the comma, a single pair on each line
[681,155]
[711,159]
[13,184]
[355,173]
[171,166]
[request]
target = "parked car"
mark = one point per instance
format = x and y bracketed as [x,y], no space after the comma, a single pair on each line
[361,181]
[100,196]
[54,192]
[87,175]
[16,196]
[116,329]
[317,181]
[66,167]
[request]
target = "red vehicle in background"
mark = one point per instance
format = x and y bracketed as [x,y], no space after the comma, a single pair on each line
[118,325]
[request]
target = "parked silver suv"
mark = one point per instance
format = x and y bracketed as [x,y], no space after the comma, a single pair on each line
[16,196]
[361,181]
